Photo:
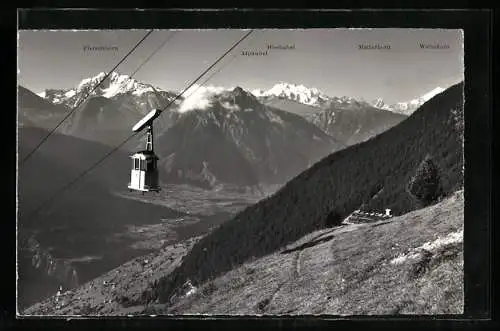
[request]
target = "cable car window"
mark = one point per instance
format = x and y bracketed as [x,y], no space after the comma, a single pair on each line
[136,164]
[150,165]
[142,165]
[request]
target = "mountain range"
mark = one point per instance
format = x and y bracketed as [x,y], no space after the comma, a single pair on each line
[311,96]
[344,118]
[299,93]
[111,109]
[272,135]
[142,97]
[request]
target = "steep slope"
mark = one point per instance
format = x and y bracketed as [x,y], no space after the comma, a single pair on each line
[411,264]
[355,124]
[237,139]
[372,175]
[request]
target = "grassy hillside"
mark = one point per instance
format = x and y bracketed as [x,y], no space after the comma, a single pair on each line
[334,187]
[412,264]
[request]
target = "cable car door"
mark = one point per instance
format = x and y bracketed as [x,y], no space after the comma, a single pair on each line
[135,180]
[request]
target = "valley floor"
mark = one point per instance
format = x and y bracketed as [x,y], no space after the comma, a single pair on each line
[411,264]
[91,249]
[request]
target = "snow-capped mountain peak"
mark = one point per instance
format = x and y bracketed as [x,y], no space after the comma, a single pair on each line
[408,107]
[300,93]
[114,84]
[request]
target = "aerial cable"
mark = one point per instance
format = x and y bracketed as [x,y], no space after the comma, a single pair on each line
[93,166]
[154,52]
[233,57]
[149,57]
[207,70]
[135,71]
[84,98]
[146,61]
[50,200]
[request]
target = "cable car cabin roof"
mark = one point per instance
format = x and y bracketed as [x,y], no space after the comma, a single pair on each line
[144,155]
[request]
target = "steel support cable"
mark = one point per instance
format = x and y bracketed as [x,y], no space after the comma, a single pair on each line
[143,63]
[83,99]
[94,165]
[207,70]
[216,72]
[154,52]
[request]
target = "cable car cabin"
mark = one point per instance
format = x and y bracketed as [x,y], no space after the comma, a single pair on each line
[144,174]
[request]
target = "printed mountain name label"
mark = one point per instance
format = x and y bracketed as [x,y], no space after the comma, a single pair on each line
[434,46]
[374,46]
[88,48]
[280,47]
[254,53]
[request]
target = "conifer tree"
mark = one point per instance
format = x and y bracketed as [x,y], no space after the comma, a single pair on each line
[426,184]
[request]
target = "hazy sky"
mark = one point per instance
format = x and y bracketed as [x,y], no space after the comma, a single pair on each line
[328,59]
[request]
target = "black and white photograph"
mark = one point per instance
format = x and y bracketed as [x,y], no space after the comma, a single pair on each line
[245,172]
